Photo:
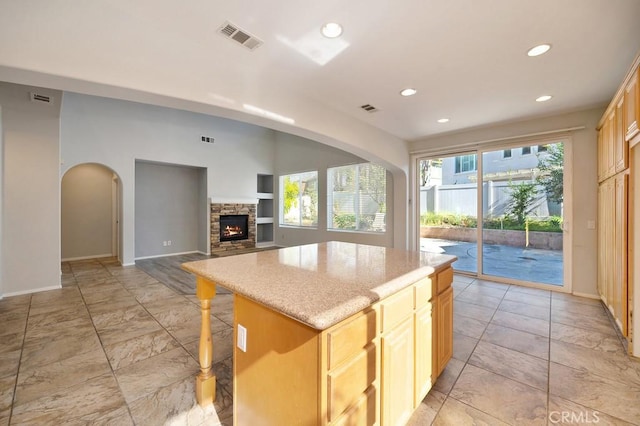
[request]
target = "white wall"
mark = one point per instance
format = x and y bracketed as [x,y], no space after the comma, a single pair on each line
[30,190]
[86,212]
[117,133]
[168,207]
[295,154]
[583,176]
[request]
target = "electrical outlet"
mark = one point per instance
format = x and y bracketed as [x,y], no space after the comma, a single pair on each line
[164,243]
[242,338]
[169,242]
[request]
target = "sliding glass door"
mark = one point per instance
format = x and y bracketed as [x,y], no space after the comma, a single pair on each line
[448,213]
[500,211]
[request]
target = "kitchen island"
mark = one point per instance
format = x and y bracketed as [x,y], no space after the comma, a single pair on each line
[329,333]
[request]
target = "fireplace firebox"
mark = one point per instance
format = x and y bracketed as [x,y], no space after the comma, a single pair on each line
[234,227]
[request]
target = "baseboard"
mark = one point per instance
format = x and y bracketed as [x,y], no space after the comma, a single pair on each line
[36,290]
[587,295]
[96,256]
[165,255]
[203,253]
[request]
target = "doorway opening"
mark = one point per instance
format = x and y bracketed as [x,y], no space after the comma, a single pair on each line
[90,212]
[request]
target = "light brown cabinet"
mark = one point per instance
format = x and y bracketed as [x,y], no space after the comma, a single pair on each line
[618,131]
[444,320]
[397,374]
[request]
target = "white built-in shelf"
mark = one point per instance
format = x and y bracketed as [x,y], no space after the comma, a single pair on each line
[265,210]
[265,196]
[263,244]
[263,220]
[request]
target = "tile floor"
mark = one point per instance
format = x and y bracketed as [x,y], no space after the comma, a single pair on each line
[117,346]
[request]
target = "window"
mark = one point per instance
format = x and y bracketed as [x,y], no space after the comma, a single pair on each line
[356,199]
[299,199]
[542,148]
[466,163]
[526,150]
[506,153]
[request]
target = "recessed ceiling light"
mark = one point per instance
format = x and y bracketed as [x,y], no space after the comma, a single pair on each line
[408,92]
[332,30]
[539,50]
[543,98]
[443,120]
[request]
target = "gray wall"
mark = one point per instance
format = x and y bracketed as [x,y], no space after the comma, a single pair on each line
[30,190]
[168,207]
[295,154]
[87,216]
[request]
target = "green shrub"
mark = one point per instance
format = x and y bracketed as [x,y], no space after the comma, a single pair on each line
[551,224]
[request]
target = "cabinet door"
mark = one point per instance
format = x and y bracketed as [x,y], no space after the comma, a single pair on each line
[632,109]
[621,146]
[397,374]
[620,250]
[424,353]
[602,220]
[445,328]
[609,243]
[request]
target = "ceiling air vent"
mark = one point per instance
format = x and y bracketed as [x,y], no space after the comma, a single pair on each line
[234,33]
[369,108]
[36,97]
[206,139]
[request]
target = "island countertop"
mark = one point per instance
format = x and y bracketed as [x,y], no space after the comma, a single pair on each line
[320,284]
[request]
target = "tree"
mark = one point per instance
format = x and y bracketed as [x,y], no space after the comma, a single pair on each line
[522,196]
[291,191]
[551,167]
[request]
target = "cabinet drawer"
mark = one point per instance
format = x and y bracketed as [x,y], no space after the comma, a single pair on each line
[445,278]
[350,338]
[363,413]
[423,291]
[350,380]
[396,308]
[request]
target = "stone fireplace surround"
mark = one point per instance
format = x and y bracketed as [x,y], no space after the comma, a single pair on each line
[225,208]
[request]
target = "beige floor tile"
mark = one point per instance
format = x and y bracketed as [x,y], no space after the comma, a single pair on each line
[522,323]
[515,365]
[557,296]
[128,330]
[449,375]
[119,293]
[613,365]
[508,400]
[52,297]
[454,412]
[491,284]
[521,341]
[12,302]
[69,317]
[427,409]
[530,299]
[578,308]
[600,324]
[463,278]
[146,376]
[109,315]
[532,311]
[7,386]
[463,346]
[123,353]
[40,381]
[90,402]
[172,404]
[48,349]
[152,292]
[484,290]
[11,342]
[96,283]
[586,338]
[562,411]
[599,393]
[470,310]
[13,327]
[459,286]
[532,291]
[14,313]
[468,326]
[479,299]
[9,362]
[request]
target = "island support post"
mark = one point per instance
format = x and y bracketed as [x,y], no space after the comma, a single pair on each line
[205,381]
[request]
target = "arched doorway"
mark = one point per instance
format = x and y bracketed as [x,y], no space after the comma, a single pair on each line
[90,195]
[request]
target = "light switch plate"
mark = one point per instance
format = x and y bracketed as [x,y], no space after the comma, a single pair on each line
[242,338]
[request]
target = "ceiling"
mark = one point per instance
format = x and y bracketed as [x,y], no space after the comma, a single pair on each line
[466,58]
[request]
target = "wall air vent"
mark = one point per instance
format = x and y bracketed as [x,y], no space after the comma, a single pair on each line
[206,139]
[231,31]
[37,97]
[369,108]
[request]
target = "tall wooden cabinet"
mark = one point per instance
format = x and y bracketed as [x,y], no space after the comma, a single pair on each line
[618,130]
